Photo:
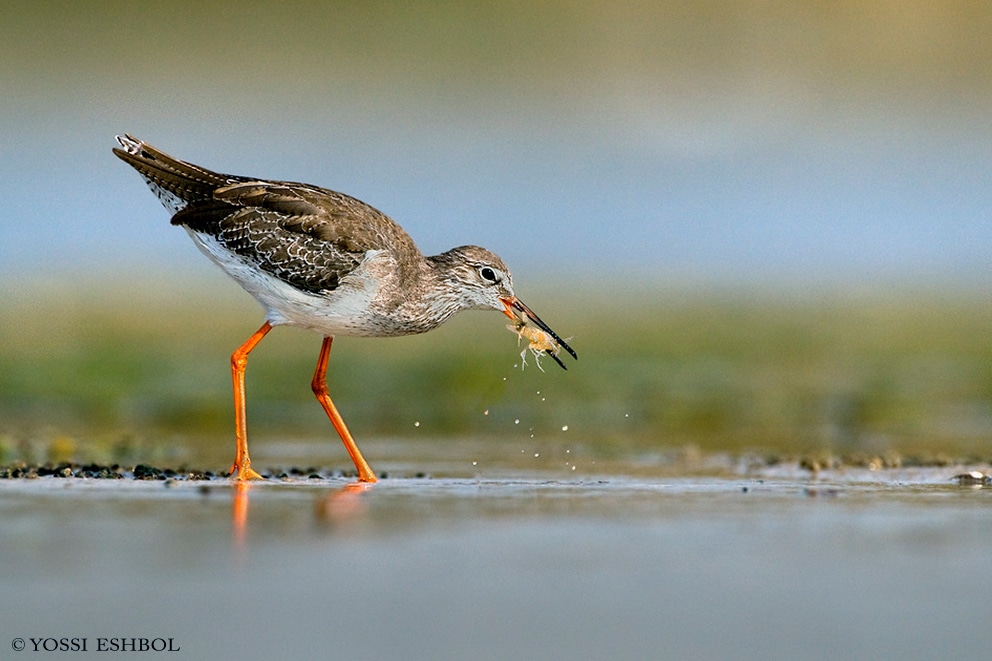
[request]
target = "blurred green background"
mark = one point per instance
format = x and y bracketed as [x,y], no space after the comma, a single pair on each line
[890,378]
[766,227]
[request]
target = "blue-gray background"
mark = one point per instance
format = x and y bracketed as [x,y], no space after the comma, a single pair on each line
[722,142]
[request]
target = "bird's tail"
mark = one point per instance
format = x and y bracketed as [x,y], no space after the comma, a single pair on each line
[176,183]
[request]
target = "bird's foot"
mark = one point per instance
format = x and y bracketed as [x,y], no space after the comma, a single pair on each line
[242,470]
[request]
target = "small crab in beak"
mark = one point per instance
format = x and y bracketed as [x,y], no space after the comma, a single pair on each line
[528,325]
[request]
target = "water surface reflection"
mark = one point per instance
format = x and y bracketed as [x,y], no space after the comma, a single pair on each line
[529,567]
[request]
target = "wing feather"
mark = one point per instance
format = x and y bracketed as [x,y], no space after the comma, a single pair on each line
[309,237]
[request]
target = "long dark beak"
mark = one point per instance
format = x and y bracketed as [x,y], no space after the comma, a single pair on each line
[514,303]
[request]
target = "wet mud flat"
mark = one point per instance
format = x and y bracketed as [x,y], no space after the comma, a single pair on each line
[778,563]
[140,472]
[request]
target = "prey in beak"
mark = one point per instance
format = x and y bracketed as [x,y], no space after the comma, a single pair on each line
[528,325]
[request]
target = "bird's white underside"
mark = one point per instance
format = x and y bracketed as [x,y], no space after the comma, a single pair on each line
[344,311]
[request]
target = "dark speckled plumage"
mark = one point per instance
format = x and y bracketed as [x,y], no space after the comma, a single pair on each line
[309,237]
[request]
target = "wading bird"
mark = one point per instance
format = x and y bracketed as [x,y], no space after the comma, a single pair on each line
[327,262]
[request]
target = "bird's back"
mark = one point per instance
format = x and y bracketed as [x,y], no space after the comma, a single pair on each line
[308,236]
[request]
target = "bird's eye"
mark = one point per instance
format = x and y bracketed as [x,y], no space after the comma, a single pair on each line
[488,274]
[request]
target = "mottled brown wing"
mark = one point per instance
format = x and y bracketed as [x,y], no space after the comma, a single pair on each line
[306,236]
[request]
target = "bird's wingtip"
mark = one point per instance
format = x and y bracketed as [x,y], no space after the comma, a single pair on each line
[129,143]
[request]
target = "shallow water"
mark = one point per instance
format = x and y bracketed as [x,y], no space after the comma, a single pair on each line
[764,565]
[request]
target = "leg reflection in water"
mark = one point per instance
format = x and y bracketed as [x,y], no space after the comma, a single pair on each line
[332,509]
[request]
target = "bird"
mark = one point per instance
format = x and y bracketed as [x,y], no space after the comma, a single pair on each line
[326,262]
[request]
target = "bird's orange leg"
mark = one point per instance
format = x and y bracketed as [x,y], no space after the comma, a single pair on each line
[319,385]
[241,468]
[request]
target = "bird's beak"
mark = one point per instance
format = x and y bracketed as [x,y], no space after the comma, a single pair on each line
[515,309]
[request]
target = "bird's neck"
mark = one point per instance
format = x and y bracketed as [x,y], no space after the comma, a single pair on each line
[428,298]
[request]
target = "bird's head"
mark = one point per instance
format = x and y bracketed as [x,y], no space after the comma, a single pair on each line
[483,282]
